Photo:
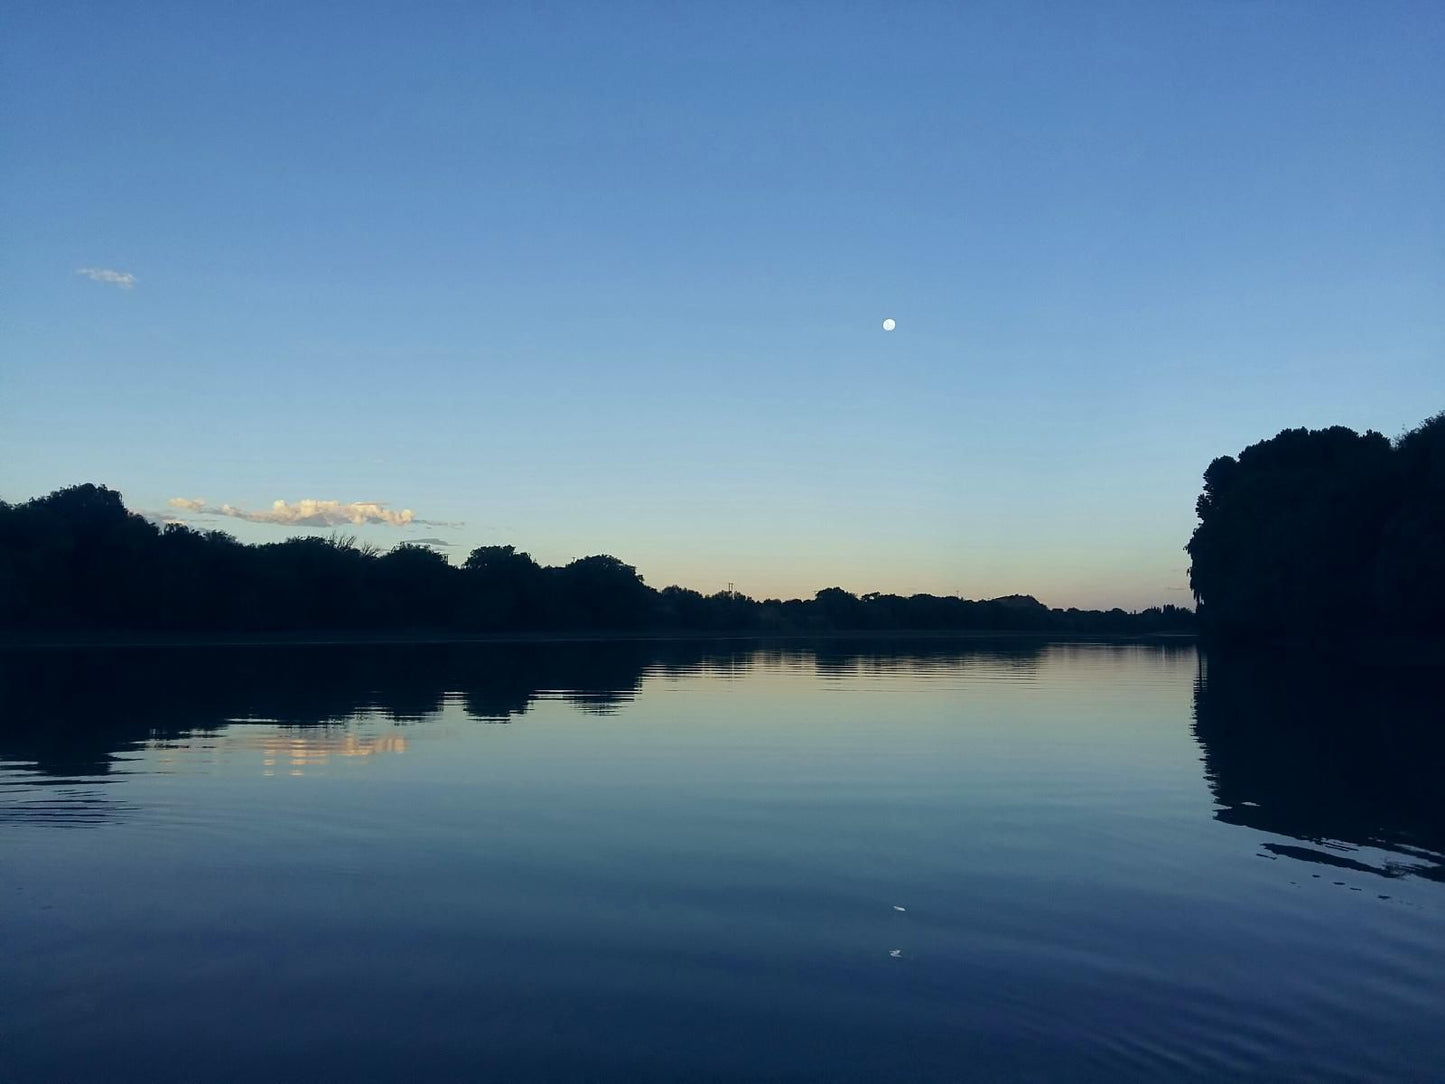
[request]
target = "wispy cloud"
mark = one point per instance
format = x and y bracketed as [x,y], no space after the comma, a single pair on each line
[310,513]
[429,541]
[159,518]
[124,279]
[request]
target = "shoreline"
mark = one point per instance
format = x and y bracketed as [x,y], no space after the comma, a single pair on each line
[91,641]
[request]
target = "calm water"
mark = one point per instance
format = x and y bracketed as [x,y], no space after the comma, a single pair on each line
[629,862]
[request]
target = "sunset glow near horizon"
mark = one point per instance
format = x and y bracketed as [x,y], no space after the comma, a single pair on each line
[610,279]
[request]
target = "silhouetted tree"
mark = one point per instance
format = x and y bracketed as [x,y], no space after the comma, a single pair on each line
[503,590]
[839,609]
[1408,582]
[74,558]
[415,587]
[602,592]
[1323,532]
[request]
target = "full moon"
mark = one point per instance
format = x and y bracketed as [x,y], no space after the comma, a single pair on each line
[889,324]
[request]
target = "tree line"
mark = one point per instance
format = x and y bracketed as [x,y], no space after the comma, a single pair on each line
[1324,533]
[76,560]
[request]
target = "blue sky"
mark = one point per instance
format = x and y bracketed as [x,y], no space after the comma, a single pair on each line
[609,278]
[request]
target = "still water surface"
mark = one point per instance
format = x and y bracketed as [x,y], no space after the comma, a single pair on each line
[667,861]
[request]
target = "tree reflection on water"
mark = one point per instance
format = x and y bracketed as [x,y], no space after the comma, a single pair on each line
[1338,756]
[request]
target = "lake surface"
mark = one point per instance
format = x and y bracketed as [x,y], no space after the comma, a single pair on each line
[631,861]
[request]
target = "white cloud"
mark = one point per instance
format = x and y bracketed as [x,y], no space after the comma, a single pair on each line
[310,513]
[124,279]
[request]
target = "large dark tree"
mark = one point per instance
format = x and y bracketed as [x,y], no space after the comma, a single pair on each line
[1408,578]
[504,590]
[1322,533]
[602,592]
[76,557]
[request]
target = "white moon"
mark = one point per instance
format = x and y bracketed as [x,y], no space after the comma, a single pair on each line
[889,324]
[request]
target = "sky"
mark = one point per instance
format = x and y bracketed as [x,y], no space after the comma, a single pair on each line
[610,278]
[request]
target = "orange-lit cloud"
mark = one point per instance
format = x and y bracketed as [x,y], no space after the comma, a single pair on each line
[309,513]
